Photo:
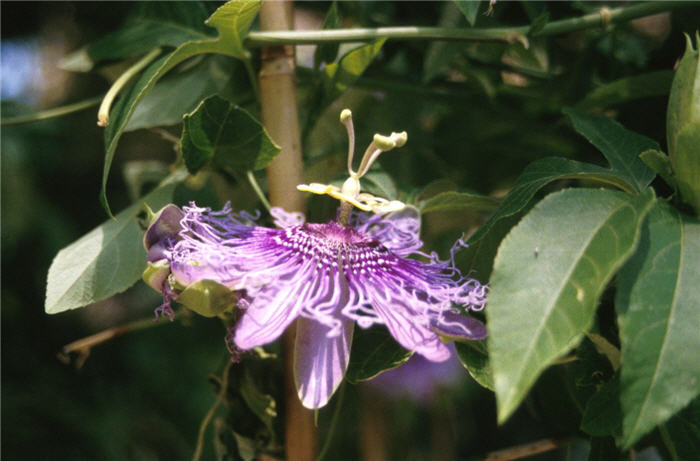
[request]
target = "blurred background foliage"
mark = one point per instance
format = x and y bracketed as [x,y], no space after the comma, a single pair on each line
[476,114]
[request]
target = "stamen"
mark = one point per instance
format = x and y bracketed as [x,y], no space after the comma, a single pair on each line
[346,119]
[378,145]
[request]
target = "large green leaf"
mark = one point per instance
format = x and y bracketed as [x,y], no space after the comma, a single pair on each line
[232,20]
[484,243]
[658,306]
[220,132]
[657,83]
[140,36]
[620,146]
[180,92]
[373,351]
[459,201]
[341,75]
[547,278]
[105,261]
[155,24]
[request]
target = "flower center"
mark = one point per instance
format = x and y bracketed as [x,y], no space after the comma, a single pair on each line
[334,235]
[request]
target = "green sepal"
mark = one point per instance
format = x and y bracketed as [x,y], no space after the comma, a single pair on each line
[156,273]
[207,298]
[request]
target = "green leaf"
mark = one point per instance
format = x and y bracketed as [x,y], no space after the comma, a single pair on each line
[604,449]
[141,36]
[547,279]
[484,243]
[105,261]
[157,24]
[440,53]
[229,136]
[681,433]
[341,75]
[232,20]
[683,125]
[658,307]
[373,351]
[469,8]
[626,89]
[263,405]
[619,145]
[474,357]
[380,184]
[661,164]
[327,52]
[538,23]
[181,92]
[603,415]
[459,201]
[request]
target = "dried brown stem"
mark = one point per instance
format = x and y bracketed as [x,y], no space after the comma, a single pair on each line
[527,449]
[84,345]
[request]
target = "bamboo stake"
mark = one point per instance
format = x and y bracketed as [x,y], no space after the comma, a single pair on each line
[280,116]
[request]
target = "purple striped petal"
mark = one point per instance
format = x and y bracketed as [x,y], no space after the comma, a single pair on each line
[320,361]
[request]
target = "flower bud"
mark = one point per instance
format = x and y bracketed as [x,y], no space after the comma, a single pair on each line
[163,225]
[207,298]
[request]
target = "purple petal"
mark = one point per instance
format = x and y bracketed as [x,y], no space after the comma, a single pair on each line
[407,329]
[286,218]
[266,318]
[454,325]
[398,231]
[319,361]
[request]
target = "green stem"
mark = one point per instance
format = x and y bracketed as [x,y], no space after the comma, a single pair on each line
[103,112]
[334,422]
[666,437]
[310,37]
[210,414]
[51,113]
[258,190]
[508,34]
[252,76]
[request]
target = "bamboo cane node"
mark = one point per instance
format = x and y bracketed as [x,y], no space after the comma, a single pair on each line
[270,53]
[278,67]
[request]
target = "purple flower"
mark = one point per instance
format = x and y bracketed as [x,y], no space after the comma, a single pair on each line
[419,378]
[329,277]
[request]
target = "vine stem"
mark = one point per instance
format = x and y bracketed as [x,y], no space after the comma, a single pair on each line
[53,112]
[103,112]
[527,449]
[83,346]
[280,116]
[212,411]
[601,18]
